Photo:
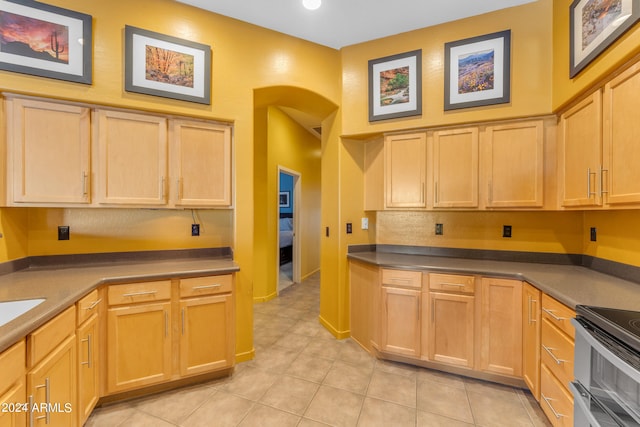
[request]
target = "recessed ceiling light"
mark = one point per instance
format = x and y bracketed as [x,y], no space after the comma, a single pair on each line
[311,4]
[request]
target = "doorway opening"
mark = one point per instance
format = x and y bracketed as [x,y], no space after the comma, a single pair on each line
[288,226]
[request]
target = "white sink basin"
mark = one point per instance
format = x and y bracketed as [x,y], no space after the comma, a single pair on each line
[9,310]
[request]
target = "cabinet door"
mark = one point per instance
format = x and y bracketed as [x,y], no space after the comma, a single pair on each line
[621,136]
[514,165]
[451,329]
[13,389]
[501,326]
[52,384]
[580,152]
[201,163]
[138,346]
[531,338]
[87,342]
[400,323]
[364,290]
[206,340]
[455,168]
[405,170]
[132,158]
[50,152]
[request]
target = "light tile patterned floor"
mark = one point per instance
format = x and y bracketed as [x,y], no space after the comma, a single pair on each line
[302,376]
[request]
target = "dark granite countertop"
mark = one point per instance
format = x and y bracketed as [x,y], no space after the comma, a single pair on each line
[63,285]
[569,284]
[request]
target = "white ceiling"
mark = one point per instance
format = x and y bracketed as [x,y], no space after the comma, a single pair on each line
[339,23]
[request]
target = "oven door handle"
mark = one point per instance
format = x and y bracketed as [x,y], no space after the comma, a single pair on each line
[581,397]
[603,348]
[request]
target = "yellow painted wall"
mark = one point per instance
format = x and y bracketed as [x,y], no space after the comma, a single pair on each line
[564,88]
[14,230]
[531,62]
[290,146]
[244,57]
[618,235]
[553,232]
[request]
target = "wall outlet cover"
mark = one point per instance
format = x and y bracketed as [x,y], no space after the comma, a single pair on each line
[506,231]
[63,232]
[195,229]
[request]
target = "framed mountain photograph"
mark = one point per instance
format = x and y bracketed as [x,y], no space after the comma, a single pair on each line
[477,71]
[44,40]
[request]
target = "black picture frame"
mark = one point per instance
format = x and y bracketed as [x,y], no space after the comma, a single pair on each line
[284,199]
[177,68]
[490,56]
[400,96]
[593,28]
[67,55]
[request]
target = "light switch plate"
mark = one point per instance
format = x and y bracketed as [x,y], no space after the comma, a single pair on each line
[364,223]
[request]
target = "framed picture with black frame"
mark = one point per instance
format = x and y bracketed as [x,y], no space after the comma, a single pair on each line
[477,71]
[284,199]
[595,25]
[161,65]
[395,86]
[46,41]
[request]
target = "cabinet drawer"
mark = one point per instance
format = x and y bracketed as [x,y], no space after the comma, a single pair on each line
[139,292]
[558,315]
[557,352]
[403,278]
[12,361]
[46,338]
[87,306]
[555,400]
[208,285]
[452,283]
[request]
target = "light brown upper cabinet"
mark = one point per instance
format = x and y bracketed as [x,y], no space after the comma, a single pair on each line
[405,157]
[132,158]
[455,168]
[200,159]
[621,138]
[514,165]
[580,153]
[48,148]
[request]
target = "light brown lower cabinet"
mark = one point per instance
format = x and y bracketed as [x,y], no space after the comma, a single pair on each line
[400,332]
[13,391]
[501,326]
[451,329]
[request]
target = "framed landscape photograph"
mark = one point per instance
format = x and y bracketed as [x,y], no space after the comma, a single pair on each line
[44,40]
[161,65]
[596,24]
[395,86]
[477,71]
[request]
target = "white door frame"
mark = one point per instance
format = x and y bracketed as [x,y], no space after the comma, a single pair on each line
[296,252]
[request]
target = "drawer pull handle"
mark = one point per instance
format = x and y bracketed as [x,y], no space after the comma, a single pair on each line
[400,279]
[47,399]
[552,314]
[553,356]
[202,287]
[137,294]
[548,400]
[93,304]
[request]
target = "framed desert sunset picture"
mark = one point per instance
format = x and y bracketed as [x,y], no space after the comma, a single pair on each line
[44,40]
[161,65]
[395,86]
[478,71]
[596,24]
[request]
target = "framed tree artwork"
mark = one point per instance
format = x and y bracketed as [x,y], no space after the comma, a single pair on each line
[395,86]
[161,65]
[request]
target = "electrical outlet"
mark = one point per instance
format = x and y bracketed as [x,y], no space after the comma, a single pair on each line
[506,231]
[593,234]
[349,228]
[63,232]
[439,230]
[195,229]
